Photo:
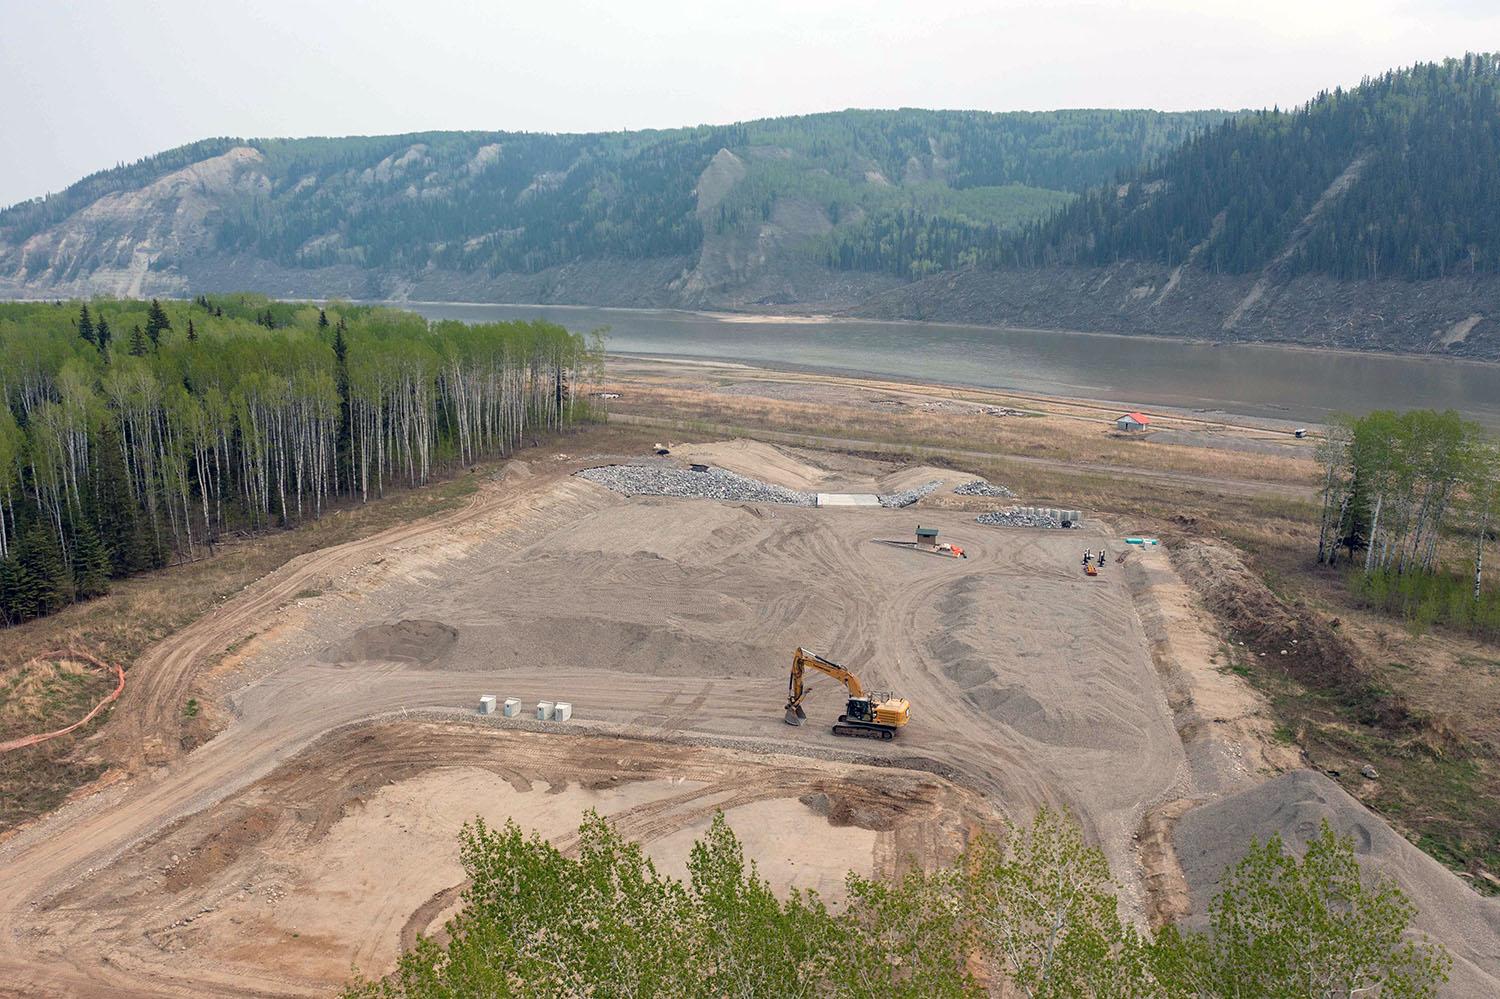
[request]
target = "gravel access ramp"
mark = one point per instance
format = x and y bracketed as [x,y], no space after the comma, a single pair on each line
[906,497]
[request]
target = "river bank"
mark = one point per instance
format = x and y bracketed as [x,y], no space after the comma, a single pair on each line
[1297,385]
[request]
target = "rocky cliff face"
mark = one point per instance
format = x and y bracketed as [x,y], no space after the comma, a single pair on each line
[129,243]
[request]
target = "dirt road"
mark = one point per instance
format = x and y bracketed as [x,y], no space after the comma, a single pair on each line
[1176,480]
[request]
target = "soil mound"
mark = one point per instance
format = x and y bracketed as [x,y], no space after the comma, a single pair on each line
[420,642]
[1294,805]
[1308,648]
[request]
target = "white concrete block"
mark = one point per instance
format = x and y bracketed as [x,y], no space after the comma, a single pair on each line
[848,499]
[512,707]
[563,711]
[544,710]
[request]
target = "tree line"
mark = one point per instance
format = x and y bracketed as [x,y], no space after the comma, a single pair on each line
[1033,914]
[1402,491]
[134,433]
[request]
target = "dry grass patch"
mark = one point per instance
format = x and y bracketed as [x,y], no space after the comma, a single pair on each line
[36,695]
[1056,431]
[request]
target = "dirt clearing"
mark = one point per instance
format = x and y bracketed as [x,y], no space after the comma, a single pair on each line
[317,830]
[341,856]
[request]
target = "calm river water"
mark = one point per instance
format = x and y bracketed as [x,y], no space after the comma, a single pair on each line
[1136,372]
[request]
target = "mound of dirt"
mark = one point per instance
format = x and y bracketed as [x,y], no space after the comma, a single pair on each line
[1212,837]
[1308,648]
[417,641]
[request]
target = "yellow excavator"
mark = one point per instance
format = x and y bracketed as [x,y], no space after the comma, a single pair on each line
[878,715]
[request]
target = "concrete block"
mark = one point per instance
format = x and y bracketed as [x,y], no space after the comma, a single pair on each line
[512,707]
[544,710]
[487,704]
[563,711]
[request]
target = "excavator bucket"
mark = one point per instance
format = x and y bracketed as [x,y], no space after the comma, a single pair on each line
[795,714]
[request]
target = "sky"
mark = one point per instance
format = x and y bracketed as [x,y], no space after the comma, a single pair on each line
[87,85]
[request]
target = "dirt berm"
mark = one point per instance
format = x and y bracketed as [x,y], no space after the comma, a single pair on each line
[419,642]
[1307,648]
[1211,838]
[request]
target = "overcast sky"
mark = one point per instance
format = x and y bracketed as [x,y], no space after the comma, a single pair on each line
[86,85]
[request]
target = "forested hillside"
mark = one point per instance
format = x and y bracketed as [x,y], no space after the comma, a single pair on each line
[135,433]
[1367,218]
[1399,177]
[857,189]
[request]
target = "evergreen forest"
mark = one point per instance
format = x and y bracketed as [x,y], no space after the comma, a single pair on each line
[1396,178]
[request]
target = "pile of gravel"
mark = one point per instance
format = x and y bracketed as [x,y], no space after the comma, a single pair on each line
[1018,516]
[716,483]
[908,496]
[983,487]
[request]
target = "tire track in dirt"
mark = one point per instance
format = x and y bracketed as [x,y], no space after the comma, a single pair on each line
[728,590]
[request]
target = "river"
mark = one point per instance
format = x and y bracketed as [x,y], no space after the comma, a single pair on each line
[1284,383]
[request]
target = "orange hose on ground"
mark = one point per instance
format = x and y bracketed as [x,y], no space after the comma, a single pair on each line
[32,740]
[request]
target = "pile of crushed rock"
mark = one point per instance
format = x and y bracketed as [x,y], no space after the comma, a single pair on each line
[907,497]
[983,487]
[715,483]
[1030,516]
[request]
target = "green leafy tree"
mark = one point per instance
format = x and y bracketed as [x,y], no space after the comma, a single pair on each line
[1284,928]
[1045,911]
[748,942]
[1033,915]
[908,937]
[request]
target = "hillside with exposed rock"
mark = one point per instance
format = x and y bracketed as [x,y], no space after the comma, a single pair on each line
[759,213]
[1365,219]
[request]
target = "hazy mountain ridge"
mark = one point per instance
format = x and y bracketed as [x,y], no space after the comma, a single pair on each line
[1368,218]
[751,211]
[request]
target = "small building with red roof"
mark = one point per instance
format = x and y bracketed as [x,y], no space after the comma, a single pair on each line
[1131,422]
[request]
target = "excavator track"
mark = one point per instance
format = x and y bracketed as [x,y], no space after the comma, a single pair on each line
[859,730]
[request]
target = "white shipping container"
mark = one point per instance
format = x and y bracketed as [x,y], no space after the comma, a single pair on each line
[487,704]
[512,707]
[563,711]
[544,710]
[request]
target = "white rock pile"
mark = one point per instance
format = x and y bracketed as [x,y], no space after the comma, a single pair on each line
[1028,516]
[716,483]
[908,496]
[983,487]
